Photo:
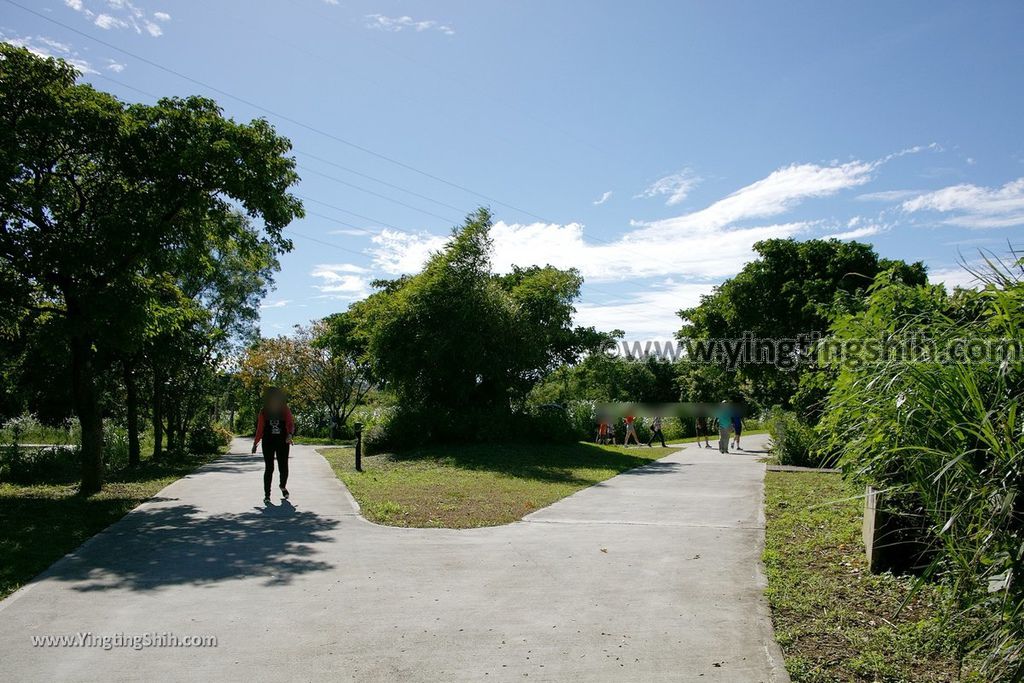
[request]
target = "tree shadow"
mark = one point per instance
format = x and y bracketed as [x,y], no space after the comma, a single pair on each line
[657,467]
[178,545]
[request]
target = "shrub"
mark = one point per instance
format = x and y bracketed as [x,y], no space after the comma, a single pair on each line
[115,445]
[950,435]
[44,465]
[396,429]
[209,439]
[793,441]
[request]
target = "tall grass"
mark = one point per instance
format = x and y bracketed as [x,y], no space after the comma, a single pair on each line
[949,437]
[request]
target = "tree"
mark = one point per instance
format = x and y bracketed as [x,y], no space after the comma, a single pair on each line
[101,199]
[463,344]
[792,291]
[337,372]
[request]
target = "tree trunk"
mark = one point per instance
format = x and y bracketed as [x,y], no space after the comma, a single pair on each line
[132,396]
[87,403]
[158,415]
[171,432]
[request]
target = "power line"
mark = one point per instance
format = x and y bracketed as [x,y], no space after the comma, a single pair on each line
[376,194]
[319,132]
[378,180]
[323,242]
[329,177]
[275,114]
[316,130]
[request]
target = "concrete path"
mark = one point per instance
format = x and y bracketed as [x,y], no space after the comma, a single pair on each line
[652,575]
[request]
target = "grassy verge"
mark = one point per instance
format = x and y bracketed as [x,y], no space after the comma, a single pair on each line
[40,523]
[478,485]
[833,619]
[321,441]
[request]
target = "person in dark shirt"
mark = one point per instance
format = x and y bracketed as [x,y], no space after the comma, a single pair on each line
[275,427]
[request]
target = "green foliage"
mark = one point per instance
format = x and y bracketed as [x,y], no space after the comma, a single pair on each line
[460,347]
[794,442]
[949,435]
[601,378]
[791,291]
[207,440]
[123,221]
[836,621]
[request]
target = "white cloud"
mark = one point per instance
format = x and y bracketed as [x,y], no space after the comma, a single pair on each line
[604,197]
[351,232]
[395,24]
[973,206]
[106,21]
[48,47]
[116,67]
[692,249]
[888,195]
[342,280]
[644,314]
[120,14]
[775,194]
[281,303]
[953,276]
[705,244]
[399,252]
[677,186]
[856,233]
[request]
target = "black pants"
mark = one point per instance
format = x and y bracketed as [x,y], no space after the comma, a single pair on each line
[657,433]
[274,448]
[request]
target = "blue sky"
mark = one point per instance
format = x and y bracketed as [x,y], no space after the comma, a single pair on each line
[647,144]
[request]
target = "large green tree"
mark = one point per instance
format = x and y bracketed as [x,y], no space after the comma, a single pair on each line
[465,344]
[791,291]
[100,199]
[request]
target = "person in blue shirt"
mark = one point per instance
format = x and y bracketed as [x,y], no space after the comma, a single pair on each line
[737,429]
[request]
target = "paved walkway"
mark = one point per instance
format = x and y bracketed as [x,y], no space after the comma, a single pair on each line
[652,575]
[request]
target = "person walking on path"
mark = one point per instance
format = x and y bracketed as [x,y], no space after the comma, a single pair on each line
[656,431]
[703,430]
[631,431]
[737,429]
[724,424]
[275,427]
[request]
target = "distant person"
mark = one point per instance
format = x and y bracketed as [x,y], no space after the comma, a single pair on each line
[656,431]
[602,432]
[275,427]
[631,431]
[737,429]
[724,418]
[703,429]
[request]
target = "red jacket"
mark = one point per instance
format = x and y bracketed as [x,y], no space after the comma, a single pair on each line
[289,425]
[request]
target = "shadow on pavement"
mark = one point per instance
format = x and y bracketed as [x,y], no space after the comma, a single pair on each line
[657,467]
[175,545]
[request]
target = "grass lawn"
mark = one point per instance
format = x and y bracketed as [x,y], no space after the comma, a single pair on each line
[320,441]
[40,523]
[478,485]
[833,619]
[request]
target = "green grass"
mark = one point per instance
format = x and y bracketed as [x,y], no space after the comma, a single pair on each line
[833,619]
[320,441]
[40,523]
[478,485]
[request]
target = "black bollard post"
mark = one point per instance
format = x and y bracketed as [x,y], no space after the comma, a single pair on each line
[359,446]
